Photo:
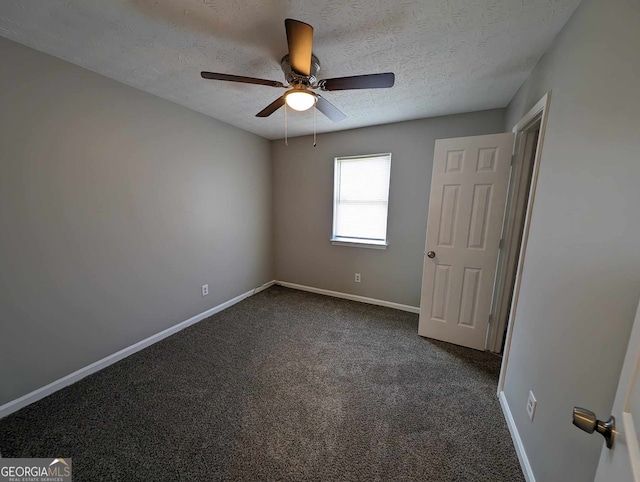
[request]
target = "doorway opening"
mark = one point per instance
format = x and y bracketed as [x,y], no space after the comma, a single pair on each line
[530,131]
[482,192]
[526,147]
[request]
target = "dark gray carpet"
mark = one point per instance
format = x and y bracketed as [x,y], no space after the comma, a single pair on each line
[285,385]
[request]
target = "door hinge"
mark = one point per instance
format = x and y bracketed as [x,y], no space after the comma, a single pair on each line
[501,244]
[490,318]
[513,159]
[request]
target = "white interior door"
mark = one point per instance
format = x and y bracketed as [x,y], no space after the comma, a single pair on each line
[622,461]
[466,210]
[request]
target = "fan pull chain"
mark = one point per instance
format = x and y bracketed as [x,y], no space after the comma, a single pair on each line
[314,125]
[286,142]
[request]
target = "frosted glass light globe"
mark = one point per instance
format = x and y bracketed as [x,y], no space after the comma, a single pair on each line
[300,100]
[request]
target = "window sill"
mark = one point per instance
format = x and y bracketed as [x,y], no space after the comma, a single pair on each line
[361,243]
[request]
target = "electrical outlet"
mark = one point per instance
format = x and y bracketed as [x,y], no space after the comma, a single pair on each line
[531,405]
[357,277]
[205,290]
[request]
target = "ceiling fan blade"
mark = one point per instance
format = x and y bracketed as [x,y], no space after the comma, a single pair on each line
[271,108]
[371,81]
[300,41]
[239,78]
[330,110]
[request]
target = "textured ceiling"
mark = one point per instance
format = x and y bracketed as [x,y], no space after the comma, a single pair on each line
[449,56]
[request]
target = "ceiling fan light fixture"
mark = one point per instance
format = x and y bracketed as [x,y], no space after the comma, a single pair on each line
[300,100]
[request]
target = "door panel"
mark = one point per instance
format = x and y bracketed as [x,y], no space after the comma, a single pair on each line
[466,209]
[622,461]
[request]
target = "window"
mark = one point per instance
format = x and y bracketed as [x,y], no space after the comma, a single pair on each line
[361,200]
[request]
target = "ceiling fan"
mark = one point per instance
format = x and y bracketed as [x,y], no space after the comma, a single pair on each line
[300,69]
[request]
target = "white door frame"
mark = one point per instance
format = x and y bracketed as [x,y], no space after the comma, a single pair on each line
[539,112]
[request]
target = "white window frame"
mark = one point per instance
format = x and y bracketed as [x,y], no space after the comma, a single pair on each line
[357,242]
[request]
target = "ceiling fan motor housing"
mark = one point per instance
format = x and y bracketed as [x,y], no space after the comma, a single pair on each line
[296,79]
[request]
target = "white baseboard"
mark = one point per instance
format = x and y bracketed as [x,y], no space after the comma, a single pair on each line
[52,387]
[517,441]
[347,296]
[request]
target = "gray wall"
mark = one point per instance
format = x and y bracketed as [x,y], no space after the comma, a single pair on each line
[115,207]
[581,277]
[303,204]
